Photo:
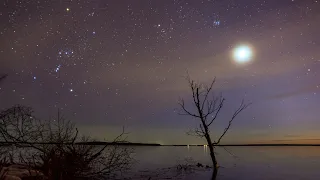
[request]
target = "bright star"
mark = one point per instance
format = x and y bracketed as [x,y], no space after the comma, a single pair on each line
[68,9]
[242,54]
[57,68]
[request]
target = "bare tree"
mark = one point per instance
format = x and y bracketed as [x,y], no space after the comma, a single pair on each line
[207,108]
[54,148]
[3,149]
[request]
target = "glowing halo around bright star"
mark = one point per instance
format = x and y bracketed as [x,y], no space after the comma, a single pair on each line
[242,54]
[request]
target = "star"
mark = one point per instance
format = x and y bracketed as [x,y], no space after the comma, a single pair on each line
[57,68]
[141,54]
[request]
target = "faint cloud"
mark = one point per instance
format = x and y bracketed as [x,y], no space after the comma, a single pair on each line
[301,91]
[292,136]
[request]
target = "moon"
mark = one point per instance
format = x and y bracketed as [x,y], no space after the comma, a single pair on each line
[242,53]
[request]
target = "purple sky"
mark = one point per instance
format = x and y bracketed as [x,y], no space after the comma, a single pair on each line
[109,64]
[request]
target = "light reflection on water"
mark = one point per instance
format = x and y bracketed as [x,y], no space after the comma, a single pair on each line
[244,163]
[247,162]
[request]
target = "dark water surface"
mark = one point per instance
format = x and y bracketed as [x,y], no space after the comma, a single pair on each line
[265,163]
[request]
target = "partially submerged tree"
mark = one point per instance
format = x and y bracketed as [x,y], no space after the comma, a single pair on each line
[206,109]
[54,148]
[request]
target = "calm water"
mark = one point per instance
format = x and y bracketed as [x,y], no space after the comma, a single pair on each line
[265,163]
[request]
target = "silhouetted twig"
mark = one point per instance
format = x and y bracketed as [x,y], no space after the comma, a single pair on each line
[54,148]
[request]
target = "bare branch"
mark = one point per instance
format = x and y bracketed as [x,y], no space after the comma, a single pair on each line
[196,132]
[186,112]
[55,148]
[231,154]
[205,108]
[241,108]
[216,110]
[207,93]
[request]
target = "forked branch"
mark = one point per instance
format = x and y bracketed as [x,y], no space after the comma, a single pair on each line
[241,108]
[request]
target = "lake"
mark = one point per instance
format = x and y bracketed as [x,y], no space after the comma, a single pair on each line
[263,163]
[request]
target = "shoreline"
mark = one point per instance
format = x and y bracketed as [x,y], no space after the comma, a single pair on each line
[155,144]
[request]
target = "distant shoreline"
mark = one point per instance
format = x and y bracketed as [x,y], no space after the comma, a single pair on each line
[253,145]
[155,144]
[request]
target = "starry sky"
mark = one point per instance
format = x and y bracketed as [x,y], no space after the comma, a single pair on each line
[108,64]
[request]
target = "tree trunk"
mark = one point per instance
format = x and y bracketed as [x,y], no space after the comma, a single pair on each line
[214,163]
[213,159]
[214,174]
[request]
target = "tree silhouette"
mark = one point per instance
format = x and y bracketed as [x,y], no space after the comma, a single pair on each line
[207,108]
[54,148]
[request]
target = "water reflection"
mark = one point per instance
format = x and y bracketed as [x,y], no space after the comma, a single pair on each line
[251,162]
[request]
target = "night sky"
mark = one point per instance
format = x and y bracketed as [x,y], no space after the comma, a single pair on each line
[109,64]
